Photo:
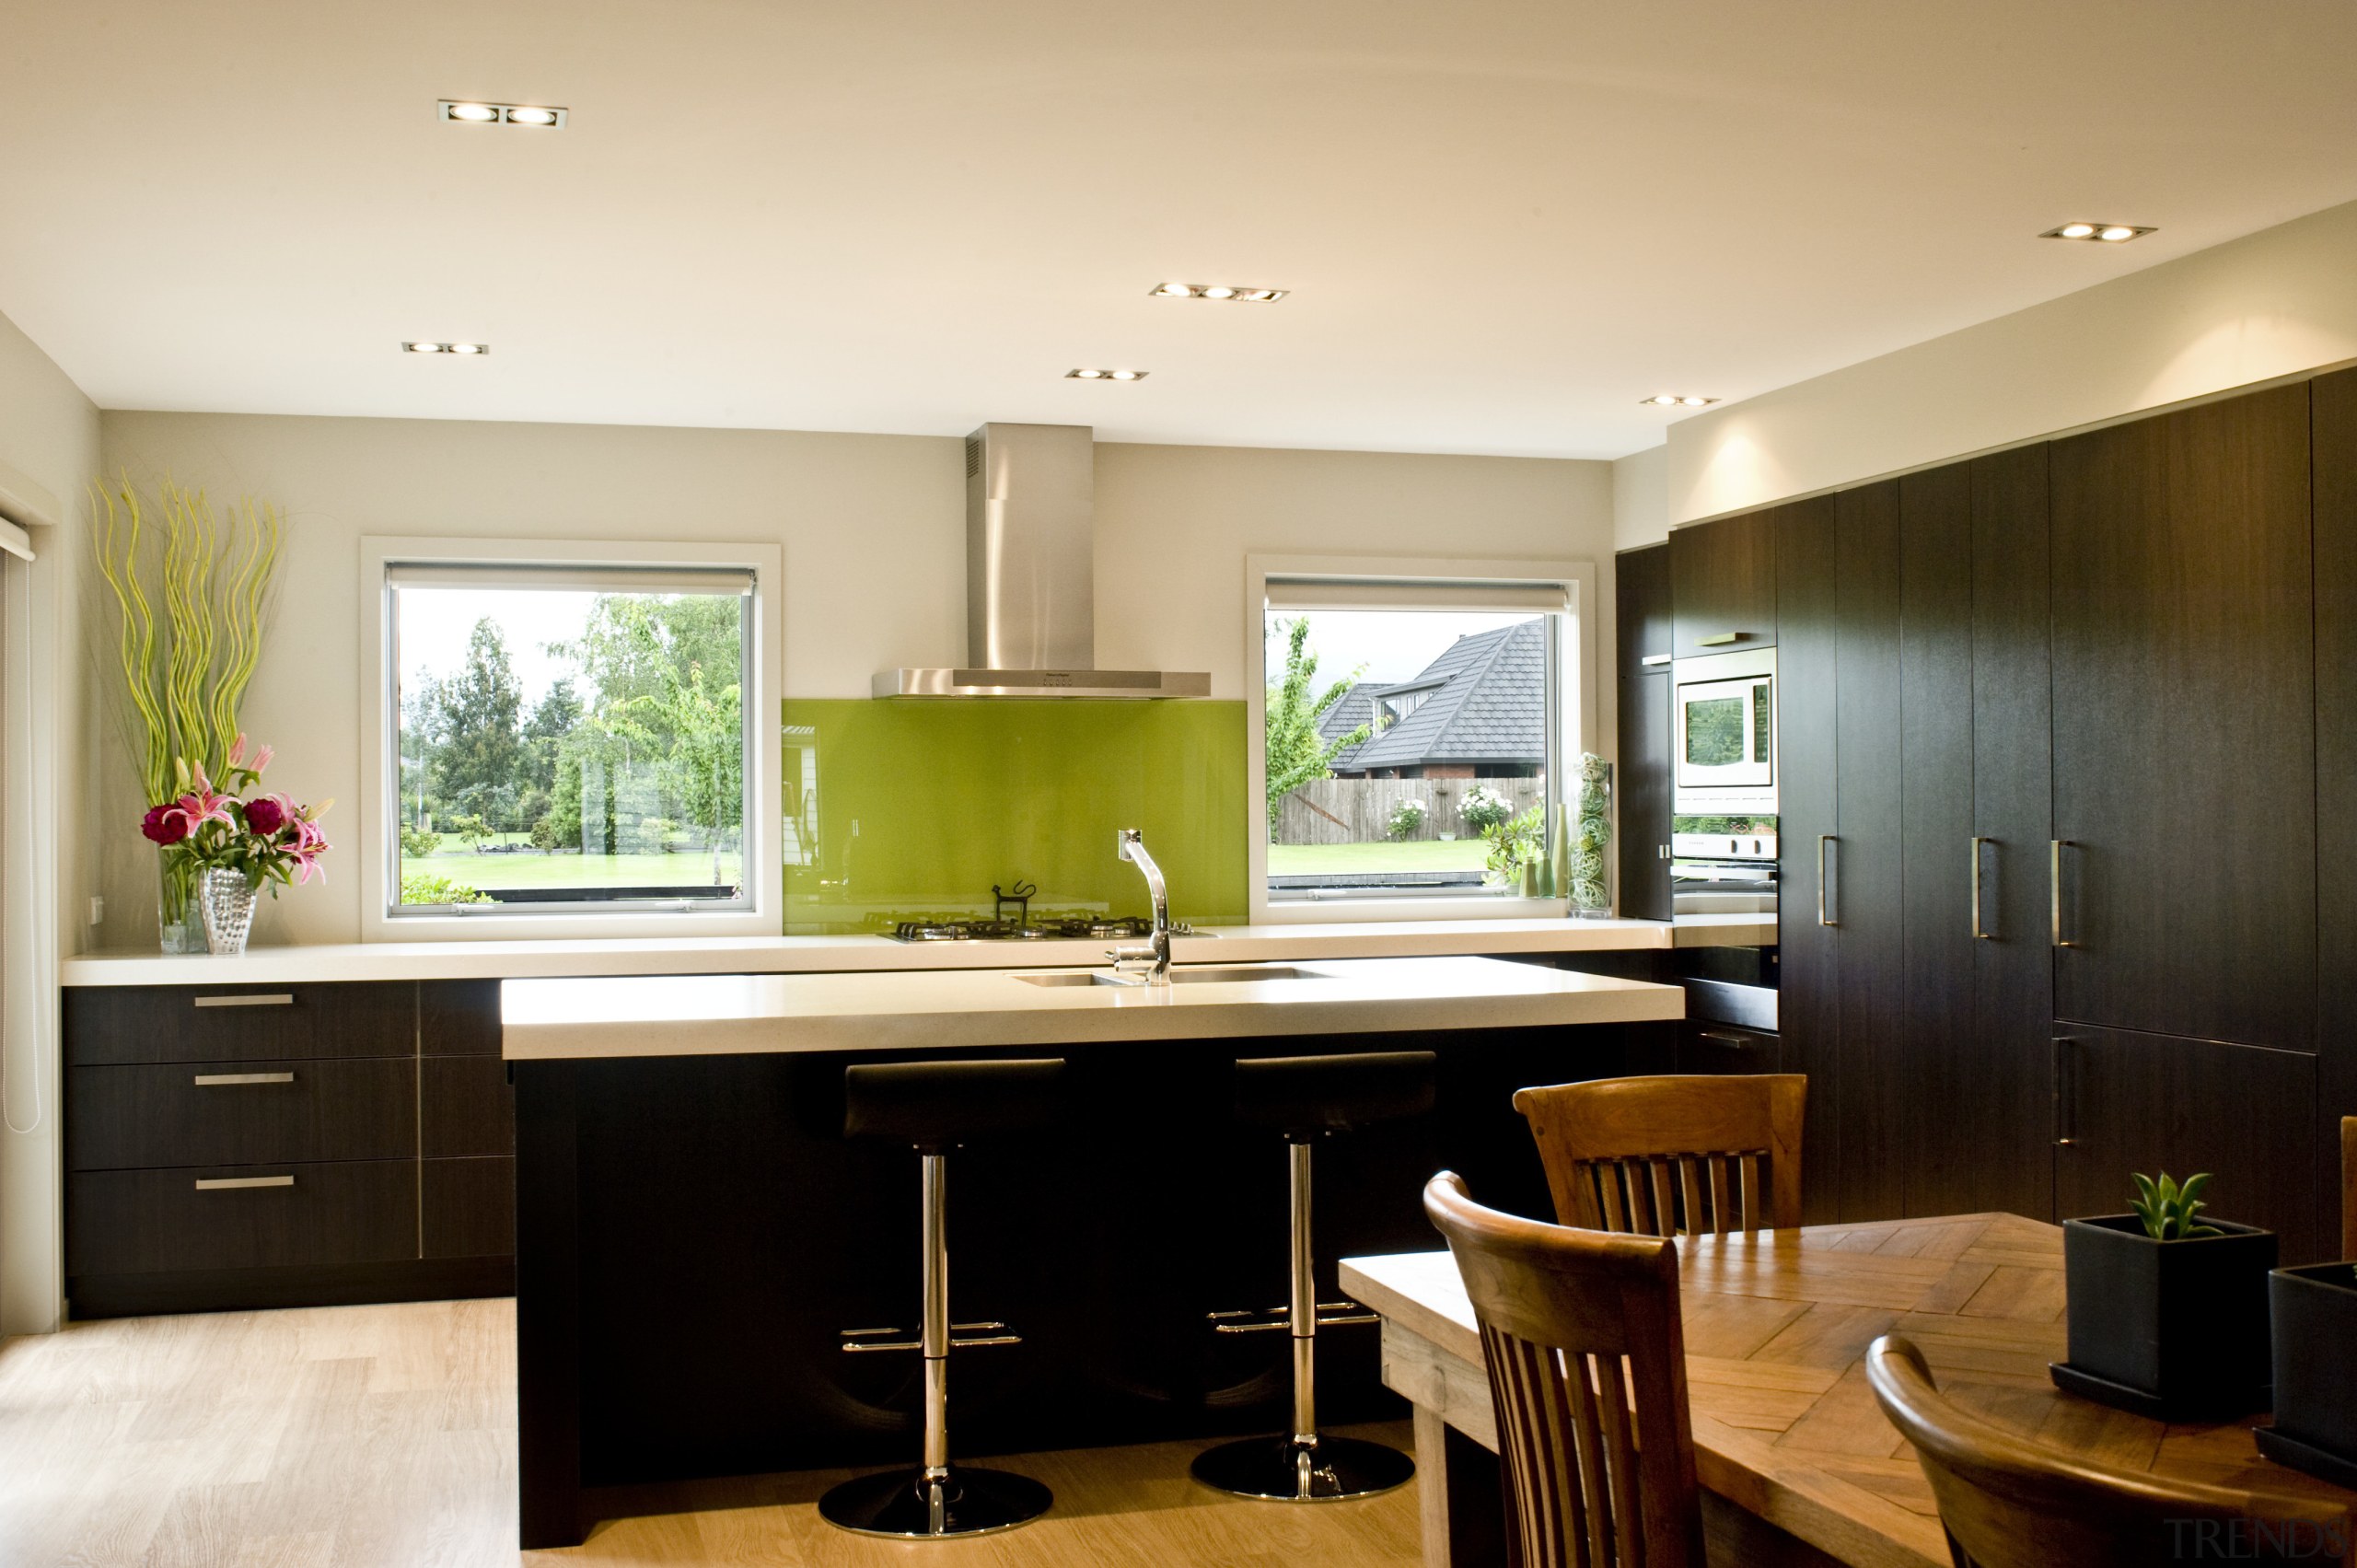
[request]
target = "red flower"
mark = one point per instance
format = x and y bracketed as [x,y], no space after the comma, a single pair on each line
[264,816]
[165,825]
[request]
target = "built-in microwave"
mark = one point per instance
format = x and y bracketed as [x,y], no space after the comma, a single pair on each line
[1724,732]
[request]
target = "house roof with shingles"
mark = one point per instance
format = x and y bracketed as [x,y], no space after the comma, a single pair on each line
[1487,703]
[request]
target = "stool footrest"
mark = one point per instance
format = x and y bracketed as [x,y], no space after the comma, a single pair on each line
[862,1340]
[1277,1319]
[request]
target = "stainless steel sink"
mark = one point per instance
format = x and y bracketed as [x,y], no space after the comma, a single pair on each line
[1183,974]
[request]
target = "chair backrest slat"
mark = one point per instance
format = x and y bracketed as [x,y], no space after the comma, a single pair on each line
[1587,1372]
[1621,1153]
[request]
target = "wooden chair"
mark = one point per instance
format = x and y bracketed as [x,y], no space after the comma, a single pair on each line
[1671,1155]
[2009,1503]
[2349,1187]
[1573,1324]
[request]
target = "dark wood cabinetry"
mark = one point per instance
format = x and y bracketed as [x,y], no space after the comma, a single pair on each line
[2184,768]
[2130,1102]
[1807,656]
[1864,867]
[2004,1161]
[253,1146]
[2334,414]
[1644,637]
[1723,578]
[2095,653]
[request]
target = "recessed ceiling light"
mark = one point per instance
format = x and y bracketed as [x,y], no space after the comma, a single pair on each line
[531,117]
[1105,375]
[445,348]
[1217,291]
[1675,399]
[2101,232]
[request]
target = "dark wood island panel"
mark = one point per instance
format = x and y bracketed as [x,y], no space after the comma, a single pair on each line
[718,1190]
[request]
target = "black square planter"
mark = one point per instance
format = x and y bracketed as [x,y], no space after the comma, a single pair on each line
[2174,1330]
[2314,1311]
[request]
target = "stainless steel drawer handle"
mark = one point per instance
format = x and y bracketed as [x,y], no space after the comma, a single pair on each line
[1823,916]
[2054,873]
[260,999]
[234,1183]
[217,1080]
[1652,660]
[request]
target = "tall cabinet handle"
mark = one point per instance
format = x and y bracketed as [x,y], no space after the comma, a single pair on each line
[1822,917]
[2066,1099]
[1978,931]
[2054,848]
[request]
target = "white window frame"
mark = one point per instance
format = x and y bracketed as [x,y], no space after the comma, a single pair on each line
[1572,728]
[764,868]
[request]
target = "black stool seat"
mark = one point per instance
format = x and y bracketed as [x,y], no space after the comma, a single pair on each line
[1302,1097]
[936,1104]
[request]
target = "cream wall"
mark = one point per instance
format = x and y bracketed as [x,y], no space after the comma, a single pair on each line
[873,529]
[1640,498]
[49,445]
[2274,303]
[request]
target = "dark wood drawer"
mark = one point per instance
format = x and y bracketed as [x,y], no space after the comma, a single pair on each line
[469,1208]
[129,1221]
[124,1025]
[239,1114]
[470,1106]
[1707,1047]
[457,1017]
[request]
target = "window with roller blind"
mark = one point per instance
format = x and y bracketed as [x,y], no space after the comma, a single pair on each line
[571,738]
[1413,727]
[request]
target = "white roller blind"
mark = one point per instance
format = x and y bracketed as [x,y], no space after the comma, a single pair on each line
[1391,593]
[573,579]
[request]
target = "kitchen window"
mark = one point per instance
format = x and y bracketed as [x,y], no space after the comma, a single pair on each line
[570,741]
[1412,722]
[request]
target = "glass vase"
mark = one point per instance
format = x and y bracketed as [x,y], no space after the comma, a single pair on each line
[1587,881]
[180,920]
[227,899]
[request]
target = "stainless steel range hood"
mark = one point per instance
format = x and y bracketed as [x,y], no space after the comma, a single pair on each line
[1030,578]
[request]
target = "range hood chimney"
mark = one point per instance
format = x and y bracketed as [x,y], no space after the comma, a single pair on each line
[1031,578]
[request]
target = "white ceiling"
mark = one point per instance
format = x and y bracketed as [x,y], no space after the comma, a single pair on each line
[1504,223]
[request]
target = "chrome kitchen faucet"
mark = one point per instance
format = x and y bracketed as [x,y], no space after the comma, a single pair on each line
[1130,846]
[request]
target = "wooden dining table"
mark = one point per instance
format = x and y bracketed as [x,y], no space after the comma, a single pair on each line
[1798,1462]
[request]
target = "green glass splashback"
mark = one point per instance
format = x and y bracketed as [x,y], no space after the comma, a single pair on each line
[901,809]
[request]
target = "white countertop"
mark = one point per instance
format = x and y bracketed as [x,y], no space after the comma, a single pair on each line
[820,955]
[950,1009]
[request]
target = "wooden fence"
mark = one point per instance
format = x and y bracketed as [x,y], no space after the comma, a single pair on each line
[1355,812]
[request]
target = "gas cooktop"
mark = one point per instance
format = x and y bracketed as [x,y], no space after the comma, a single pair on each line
[1072,928]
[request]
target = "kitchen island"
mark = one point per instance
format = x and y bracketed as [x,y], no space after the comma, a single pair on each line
[694,1235]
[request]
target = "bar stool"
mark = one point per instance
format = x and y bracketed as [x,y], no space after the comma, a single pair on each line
[1305,1098]
[935,1106]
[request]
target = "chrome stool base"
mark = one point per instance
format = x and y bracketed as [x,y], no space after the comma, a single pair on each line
[905,1506]
[1331,1470]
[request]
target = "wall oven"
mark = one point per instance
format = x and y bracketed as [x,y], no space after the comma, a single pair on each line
[1724,733]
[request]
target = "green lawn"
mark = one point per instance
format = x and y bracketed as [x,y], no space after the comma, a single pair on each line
[528,868]
[1310,860]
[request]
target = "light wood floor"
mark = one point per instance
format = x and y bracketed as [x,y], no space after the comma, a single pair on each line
[360,1437]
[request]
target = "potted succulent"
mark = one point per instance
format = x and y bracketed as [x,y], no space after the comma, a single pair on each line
[2313,1311]
[2167,1310]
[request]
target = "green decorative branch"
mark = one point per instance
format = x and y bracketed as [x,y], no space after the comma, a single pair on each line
[185,666]
[2168,1209]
